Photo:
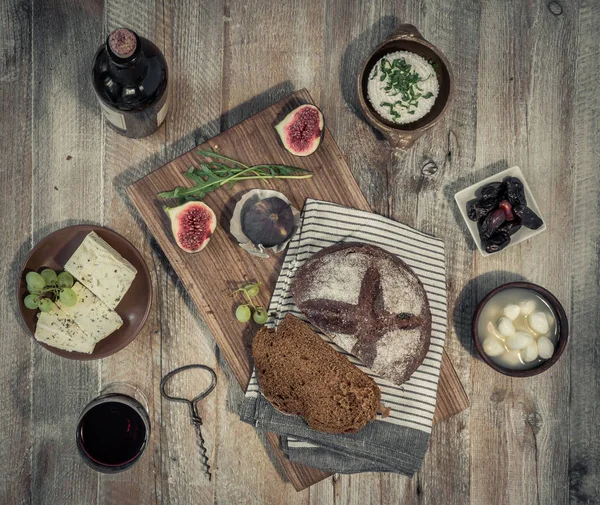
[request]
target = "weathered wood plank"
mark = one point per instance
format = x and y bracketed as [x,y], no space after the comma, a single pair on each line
[422,183]
[137,364]
[514,428]
[15,207]
[526,67]
[65,191]
[193,45]
[269,49]
[584,400]
[383,174]
[350,33]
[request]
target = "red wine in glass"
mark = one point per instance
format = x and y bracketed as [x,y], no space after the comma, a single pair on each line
[113,432]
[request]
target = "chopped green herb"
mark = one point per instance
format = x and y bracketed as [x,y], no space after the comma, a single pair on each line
[403,82]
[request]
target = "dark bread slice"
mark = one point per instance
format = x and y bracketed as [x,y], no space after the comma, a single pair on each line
[301,374]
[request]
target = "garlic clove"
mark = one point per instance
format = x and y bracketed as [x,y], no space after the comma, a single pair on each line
[538,323]
[519,341]
[493,347]
[545,347]
[512,311]
[493,331]
[527,307]
[506,327]
[530,353]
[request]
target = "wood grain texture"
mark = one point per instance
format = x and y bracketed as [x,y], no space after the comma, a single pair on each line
[526,77]
[422,183]
[265,56]
[253,141]
[525,118]
[185,339]
[15,178]
[121,157]
[584,400]
[66,178]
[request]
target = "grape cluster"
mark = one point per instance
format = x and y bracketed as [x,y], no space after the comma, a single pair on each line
[46,287]
[244,312]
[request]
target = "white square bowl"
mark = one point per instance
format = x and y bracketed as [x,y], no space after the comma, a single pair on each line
[468,194]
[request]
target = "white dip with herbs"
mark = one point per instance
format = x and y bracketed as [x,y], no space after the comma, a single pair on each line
[402,87]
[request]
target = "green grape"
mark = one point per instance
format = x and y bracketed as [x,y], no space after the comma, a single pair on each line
[65,280]
[68,297]
[252,289]
[32,302]
[49,276]
[260,315]
[242,313]
[46,304]
[33,291]
[35,281]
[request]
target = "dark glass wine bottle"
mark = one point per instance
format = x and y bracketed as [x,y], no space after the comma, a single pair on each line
[130,78]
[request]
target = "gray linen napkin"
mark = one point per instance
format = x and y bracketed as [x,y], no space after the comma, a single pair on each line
[398,442]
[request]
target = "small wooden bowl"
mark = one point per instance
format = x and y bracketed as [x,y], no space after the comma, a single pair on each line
[407,38]
[561,321]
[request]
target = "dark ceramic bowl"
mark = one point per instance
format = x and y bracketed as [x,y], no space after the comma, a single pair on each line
[53,252]
[407,38]
[561,322]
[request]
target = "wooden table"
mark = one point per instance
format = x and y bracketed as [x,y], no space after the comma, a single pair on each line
[527,94]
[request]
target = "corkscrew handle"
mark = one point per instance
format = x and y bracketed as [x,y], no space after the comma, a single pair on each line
[193,407]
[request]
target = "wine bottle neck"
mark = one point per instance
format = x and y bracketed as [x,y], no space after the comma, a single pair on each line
[124,48]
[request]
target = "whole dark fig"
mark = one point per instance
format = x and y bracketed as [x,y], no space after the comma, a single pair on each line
[268,222]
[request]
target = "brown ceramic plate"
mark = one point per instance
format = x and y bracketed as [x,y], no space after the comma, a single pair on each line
[53,252]
[561,321]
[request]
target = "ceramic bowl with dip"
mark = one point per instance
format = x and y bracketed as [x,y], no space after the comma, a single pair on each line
[405,86]
[520,329]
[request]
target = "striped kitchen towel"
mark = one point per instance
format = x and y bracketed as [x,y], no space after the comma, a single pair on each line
[398,442]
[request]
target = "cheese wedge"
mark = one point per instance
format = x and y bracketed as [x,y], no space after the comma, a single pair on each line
[55,328]
[101,269]
[91,314]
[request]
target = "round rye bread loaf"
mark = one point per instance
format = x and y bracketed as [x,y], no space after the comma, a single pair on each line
[370,303]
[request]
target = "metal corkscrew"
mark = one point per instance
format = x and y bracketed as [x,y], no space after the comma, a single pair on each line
[192,404]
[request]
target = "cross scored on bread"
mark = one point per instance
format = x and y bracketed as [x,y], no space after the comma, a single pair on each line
[368,318]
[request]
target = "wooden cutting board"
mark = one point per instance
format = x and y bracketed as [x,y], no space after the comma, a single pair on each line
[211,275]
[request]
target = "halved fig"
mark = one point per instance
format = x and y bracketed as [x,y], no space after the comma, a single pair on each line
[192,224]
[301,130]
